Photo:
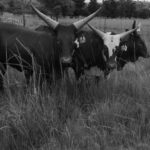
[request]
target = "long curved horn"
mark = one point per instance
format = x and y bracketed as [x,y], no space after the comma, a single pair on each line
[79,24]
[52,23]
[98,32]
[125,34]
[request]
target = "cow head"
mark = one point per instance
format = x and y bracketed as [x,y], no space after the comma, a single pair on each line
[112,45]
[65,34]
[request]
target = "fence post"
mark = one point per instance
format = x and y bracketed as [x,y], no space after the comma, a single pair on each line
[24,20]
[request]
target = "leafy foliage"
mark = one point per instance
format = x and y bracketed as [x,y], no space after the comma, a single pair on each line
[93,5]
[79,6]
[59,7]
[110,8]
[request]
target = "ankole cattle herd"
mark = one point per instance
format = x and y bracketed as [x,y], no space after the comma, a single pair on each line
[74,84]
[49,50]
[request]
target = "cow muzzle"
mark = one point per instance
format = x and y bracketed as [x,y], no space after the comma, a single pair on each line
[66,60]
[111,65]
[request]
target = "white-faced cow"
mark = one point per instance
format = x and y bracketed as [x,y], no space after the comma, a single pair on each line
[118,49]
[24,49]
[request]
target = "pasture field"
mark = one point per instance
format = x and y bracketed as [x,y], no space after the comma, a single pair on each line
[111,115]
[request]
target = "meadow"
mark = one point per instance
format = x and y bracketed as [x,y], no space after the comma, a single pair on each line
[111,115]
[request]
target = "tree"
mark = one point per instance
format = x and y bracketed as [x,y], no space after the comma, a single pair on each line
[127,8]
[57,7]
[93,5]
[130,8]
[79,7]
[68,7]
[109,8]
[2,8]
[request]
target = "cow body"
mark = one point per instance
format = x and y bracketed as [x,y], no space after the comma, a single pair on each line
[88,51]
[22,48]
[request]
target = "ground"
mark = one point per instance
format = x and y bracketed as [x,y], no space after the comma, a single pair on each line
[111,115]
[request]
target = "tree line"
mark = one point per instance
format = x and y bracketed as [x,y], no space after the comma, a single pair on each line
[110,8]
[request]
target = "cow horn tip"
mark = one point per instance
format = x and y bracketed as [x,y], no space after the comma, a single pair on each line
[32,6]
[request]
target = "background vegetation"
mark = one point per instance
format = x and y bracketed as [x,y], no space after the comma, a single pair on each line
[111,8]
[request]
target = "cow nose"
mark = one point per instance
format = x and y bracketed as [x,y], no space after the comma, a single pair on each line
[111,65]
[66,60]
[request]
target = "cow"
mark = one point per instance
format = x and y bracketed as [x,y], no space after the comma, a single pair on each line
[87,51]
[65,34]
[118,49]
[27,50]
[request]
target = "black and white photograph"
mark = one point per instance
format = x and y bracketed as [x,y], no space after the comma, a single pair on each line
[74,74]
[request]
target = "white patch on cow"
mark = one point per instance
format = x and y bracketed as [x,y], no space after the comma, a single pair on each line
[82,39]
[77,43]
[124,48]
[111,41]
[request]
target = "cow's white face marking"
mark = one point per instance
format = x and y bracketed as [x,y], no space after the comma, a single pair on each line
[77,43]
[111,41]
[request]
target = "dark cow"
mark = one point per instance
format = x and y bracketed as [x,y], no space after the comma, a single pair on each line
[87,52]
[27,50]
[65,34]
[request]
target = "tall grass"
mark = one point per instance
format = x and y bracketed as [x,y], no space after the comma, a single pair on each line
[111,114]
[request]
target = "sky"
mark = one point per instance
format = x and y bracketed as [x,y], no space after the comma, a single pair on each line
[101,0]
